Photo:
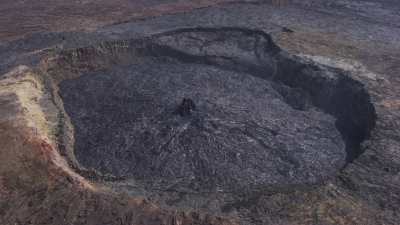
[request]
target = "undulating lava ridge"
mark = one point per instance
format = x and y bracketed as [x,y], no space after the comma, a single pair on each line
[205,110]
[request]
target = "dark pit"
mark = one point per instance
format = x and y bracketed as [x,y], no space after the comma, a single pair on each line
[211,109]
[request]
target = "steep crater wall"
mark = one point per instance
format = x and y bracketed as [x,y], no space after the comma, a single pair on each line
[210,109]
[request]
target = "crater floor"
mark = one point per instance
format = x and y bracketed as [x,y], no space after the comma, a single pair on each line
[240,133]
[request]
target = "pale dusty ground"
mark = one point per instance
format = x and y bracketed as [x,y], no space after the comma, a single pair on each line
[21,17]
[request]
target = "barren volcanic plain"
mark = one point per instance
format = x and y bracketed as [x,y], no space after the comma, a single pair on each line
[206,112]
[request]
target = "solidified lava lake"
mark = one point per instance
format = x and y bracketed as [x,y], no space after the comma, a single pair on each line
[208,109]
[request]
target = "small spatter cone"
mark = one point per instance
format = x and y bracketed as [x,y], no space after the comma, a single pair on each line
[186,107]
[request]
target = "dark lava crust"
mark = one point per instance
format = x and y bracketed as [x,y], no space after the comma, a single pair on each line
[211,109]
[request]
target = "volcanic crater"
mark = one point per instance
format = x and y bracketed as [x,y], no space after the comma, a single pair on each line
[209,109]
